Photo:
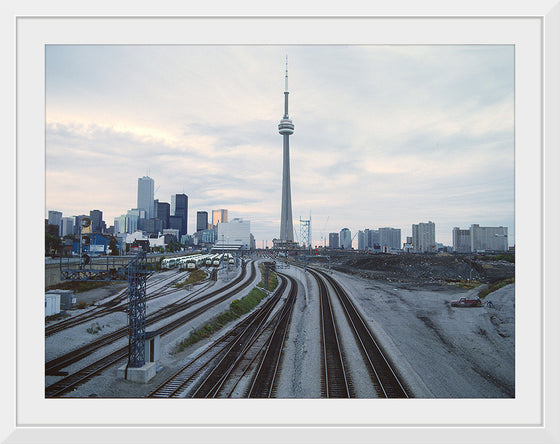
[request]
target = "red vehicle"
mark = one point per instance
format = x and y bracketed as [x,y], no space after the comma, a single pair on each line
[464,302]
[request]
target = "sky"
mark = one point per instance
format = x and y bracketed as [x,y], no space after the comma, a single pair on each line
[385,136]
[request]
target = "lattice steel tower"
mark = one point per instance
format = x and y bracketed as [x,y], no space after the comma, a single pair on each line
[286,128]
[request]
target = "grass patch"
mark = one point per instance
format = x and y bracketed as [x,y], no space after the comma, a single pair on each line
[194,277]
[78,286]
[238,307]
[495,286]
[466,285]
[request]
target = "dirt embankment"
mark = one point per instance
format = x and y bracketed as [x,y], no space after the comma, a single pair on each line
[424,268]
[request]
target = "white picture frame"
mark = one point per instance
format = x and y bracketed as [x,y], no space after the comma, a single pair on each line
[535,28]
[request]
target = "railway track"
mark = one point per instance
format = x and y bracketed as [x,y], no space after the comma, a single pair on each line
[70,381]
[384,378]
[335,381]
[253,346]
[118,303]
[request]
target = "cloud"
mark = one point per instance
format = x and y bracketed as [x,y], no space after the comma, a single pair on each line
[384,135]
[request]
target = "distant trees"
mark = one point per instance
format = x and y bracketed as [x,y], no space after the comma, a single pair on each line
[113,246]
[173,246]
[52,244]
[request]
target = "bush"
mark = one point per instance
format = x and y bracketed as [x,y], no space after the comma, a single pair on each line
[81,305]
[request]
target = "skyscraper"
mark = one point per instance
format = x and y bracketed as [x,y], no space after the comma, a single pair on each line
[179,208]
[96,217]
[201,220]
[424,237]
[390,238]
[345,239]
[146,196]
[286,128]
[219,216]
[163,210]
[333,240]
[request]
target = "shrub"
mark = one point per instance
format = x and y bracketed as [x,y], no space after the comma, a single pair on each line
[238,308]
[81,305]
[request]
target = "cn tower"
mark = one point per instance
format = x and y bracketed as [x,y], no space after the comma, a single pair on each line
[285,128]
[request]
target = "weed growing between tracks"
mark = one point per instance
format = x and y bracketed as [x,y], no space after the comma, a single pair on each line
[194,277]
[237,308]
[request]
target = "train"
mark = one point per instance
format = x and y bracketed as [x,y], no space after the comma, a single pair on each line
[195,261]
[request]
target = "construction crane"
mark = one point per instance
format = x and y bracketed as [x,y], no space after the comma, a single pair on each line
[323,237]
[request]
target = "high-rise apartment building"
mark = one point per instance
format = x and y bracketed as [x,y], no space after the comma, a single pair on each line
[390,238]
[334,241]
[461,240]
[479,238]
[424,237]
[201,220]
[371,238]
[219,216]
[146,196]
[489,238]
[345,239]
[361,240]
[179,208]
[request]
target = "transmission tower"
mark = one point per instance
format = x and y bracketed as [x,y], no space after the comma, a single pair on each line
[137,276]
[305,232]
[136,273]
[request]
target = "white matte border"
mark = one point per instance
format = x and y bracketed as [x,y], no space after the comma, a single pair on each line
[143,413]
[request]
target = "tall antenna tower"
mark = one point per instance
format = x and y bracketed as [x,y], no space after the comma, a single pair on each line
[286,128]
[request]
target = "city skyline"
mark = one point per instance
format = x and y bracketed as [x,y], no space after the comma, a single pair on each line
[388,136]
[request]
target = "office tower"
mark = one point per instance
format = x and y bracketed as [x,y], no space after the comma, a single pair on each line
[424,237]
[219,216]
[286,128]
[345,239]
[333,240]
[163,211]
[179,208]
[67,226]
[201,220]
[146,196]
[55,218]
[96,217]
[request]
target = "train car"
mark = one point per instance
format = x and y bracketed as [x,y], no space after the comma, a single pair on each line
[169,262]
[183,262]
[195,262]
[209,260]
[217,260]
[230,259]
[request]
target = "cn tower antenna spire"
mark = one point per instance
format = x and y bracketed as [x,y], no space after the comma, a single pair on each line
[286,89]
